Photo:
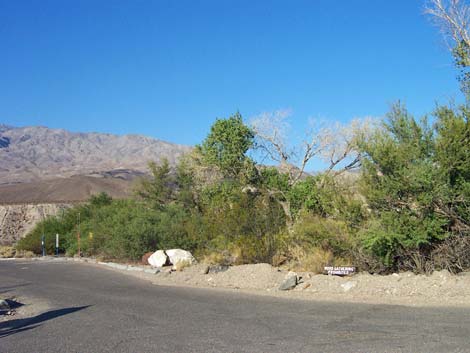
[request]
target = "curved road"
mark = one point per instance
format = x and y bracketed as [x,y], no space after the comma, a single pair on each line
[92,309]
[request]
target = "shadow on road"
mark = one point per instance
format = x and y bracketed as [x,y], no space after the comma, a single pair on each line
[11,327]
[12,305]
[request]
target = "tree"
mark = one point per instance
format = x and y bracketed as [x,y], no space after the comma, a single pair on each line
[453,18]
[159,188]
[334,144]
[227,144]
[416,181]
[453,158]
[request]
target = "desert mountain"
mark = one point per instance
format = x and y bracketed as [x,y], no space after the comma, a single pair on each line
[39,153]
[38,164]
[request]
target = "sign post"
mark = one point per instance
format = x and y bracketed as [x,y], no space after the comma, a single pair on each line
[43,246]
[57,245]
[78,235]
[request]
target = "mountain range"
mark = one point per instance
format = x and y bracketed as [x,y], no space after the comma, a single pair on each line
[39,164]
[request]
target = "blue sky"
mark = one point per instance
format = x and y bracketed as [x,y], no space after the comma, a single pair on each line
[167,69]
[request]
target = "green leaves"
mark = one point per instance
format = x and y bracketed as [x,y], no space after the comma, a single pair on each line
[415,180]
[158,189]
[227,144]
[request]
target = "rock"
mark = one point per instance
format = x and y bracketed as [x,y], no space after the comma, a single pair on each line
[205,270]
[177,256]
[158,259]
[145,258]
[348,286]
[218,268]
[4,305]
[290,281]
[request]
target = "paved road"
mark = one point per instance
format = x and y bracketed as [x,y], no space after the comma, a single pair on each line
[97,310]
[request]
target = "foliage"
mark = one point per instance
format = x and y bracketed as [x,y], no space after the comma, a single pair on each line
[240,222]
[315,231]
[227,144]
[416,179]
[408,209]
[158,188]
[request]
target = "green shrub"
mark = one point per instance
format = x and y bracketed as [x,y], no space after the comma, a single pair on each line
[313,231]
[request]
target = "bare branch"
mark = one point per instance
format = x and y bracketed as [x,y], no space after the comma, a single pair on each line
[453,17]
[335,144]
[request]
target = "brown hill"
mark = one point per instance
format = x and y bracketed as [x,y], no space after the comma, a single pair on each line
[39,153]
[64,190]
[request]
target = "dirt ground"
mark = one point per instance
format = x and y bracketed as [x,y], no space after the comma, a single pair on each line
[439,289]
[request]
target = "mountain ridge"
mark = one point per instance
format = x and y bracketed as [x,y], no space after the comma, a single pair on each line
[37,153]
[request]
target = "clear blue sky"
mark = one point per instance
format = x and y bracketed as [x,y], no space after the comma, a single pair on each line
[167,69]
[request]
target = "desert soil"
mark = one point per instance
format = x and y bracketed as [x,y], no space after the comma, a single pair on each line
[439,289]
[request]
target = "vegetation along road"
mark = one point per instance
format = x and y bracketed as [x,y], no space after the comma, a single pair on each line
[73,307]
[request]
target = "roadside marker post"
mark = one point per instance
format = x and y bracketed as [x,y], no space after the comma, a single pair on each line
[57,245]
[43,246]
[78,234]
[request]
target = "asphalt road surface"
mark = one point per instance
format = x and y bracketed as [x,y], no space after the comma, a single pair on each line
[92,309]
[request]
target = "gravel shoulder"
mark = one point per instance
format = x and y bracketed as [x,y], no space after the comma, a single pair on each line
[441,289]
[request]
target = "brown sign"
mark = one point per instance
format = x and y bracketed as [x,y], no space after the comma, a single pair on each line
[340,270]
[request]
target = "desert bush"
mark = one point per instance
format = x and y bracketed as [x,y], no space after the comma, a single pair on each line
[181,265]
[215,258]
[24,254]
[366,261]
[453,254]
[312,259]
[49,228]
[415,179]
[314,231]
[7,251]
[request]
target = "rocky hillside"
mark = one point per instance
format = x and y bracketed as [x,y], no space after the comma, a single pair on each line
[39,153]
[17,220]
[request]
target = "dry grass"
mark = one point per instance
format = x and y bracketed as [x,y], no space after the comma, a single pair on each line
[24,254]
[7,251]
[313,259]
[216,258]
[181,265]
[233,256]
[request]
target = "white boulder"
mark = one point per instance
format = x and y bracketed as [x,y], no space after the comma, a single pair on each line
[177,256]
[158,259]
